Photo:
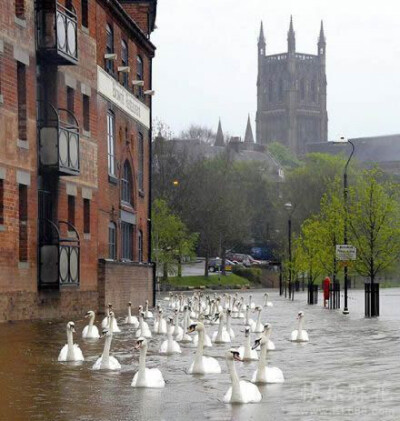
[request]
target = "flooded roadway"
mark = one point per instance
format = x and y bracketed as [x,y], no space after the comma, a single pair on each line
[350,370]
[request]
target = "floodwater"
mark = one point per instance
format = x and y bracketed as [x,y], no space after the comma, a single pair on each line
[349,370]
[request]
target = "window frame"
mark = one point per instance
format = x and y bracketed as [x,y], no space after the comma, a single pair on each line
[86,216]
[140,246]
[126,241]
[85,13]
[139,75]
[111,143]
[127,184]
[112,245]
[141,161]
[109,64]
[125,62]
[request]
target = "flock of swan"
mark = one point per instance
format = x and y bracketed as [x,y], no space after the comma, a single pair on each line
[186,324]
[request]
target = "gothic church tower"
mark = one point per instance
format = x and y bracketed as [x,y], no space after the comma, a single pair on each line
[291,95]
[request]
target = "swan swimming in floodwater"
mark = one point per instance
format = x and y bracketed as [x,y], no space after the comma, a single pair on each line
[299,335]
[146,377]
[247,321]
[241,391]
[170,346]
[228,325]
[131,320]
[265,374]
[147,314]
[266,302]
[143,328]
[107,361]
[259,327]
[222,335]
[70,351]
[160,324]
[106,321]
[90,331]
[202,364]
[246,353]
[178,331]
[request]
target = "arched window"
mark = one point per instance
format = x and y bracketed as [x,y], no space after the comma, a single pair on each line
[125,63]
[126,184]
[112,241]
[313,91]
[280,89]
[140,246]
[271,91]
[139,75]
[302,89]
[109,48]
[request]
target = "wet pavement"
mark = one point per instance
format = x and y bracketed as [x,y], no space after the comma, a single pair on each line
[350,370]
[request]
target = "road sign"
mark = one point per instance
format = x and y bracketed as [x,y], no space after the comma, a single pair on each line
[346,252]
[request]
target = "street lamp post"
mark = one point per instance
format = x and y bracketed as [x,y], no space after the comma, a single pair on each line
[288,207]
[345,199]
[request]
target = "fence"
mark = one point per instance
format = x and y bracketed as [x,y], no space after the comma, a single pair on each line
[312,296]
[371,300]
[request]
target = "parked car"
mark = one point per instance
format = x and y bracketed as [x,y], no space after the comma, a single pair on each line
[240,258]
[215,265]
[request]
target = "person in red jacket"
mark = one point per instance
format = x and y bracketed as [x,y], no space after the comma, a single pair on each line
[325,286]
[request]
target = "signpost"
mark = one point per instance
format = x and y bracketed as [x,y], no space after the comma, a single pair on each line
[346,252]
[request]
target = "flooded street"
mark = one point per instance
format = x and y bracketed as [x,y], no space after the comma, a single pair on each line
[348,371]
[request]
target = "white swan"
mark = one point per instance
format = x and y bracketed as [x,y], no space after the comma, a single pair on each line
[240,391]
[143,328]
[247,321]
[131,320]
[251,303]
[178,331]
[90,331]
[228,325]
[207,339]
[107,361]
[267,333]
[70,351]
[266,302]
[299,335]
[160,324]
[259,327]
[221,336]
[170,346]
[146,377]
[106,321]
[265,374]
[202,364]
[147,314]
[245,352]
[186,323]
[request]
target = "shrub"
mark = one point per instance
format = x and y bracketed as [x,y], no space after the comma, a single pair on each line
[252,274]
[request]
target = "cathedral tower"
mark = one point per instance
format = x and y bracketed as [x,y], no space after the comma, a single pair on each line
[291,95]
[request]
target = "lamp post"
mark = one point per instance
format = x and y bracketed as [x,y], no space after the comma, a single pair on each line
[346,212]
[289,209]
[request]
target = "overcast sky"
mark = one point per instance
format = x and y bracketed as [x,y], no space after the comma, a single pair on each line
[206,60]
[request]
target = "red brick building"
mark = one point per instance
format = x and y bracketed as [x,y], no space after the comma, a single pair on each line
[75,136]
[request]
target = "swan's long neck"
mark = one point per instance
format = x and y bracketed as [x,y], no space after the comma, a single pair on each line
[142,364]
[247,346]
[91,320]
[300,330]
[141,323]
[70,341]
[228,323]
[263,357]
[169,333]
[176,323]
[129,313]
[111,323]
[236,395]
[220,327]
[259,317]
[200,344]
[247,315]
[105,358]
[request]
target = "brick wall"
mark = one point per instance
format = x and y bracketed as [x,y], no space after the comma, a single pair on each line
[120,283]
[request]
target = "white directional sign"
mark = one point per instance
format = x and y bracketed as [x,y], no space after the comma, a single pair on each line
[346,252]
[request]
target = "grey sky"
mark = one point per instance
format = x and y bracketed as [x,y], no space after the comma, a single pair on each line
[206,63]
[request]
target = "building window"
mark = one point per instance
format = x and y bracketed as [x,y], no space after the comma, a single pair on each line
[140,246]
[20,9]
[110,142]
[1,202]
[280,90]
[23,223]
[109,49]
[127,241]
[112,241]
[125,63]
[126,184]
[70,104]
[302,89]
[71,210]
[85,13]
[86,216]
[270,91]
[141,162]
[86,112]
[313,91]
[139,76]
[21,93]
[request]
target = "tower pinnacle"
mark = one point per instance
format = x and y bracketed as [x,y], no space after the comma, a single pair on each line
[248,137]
[261,41]
[219,139]
[291,37]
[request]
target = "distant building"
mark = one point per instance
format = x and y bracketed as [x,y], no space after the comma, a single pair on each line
[383,151]
[291,95]
[75,113]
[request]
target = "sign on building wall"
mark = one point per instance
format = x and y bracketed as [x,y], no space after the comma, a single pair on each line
[116,93]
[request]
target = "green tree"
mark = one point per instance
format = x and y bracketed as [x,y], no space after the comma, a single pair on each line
[284,155]
[170,238]
[374,223]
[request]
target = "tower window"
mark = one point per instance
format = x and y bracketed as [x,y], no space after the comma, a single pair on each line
[280,90]
[302,89]
[313,91]
[271,91]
